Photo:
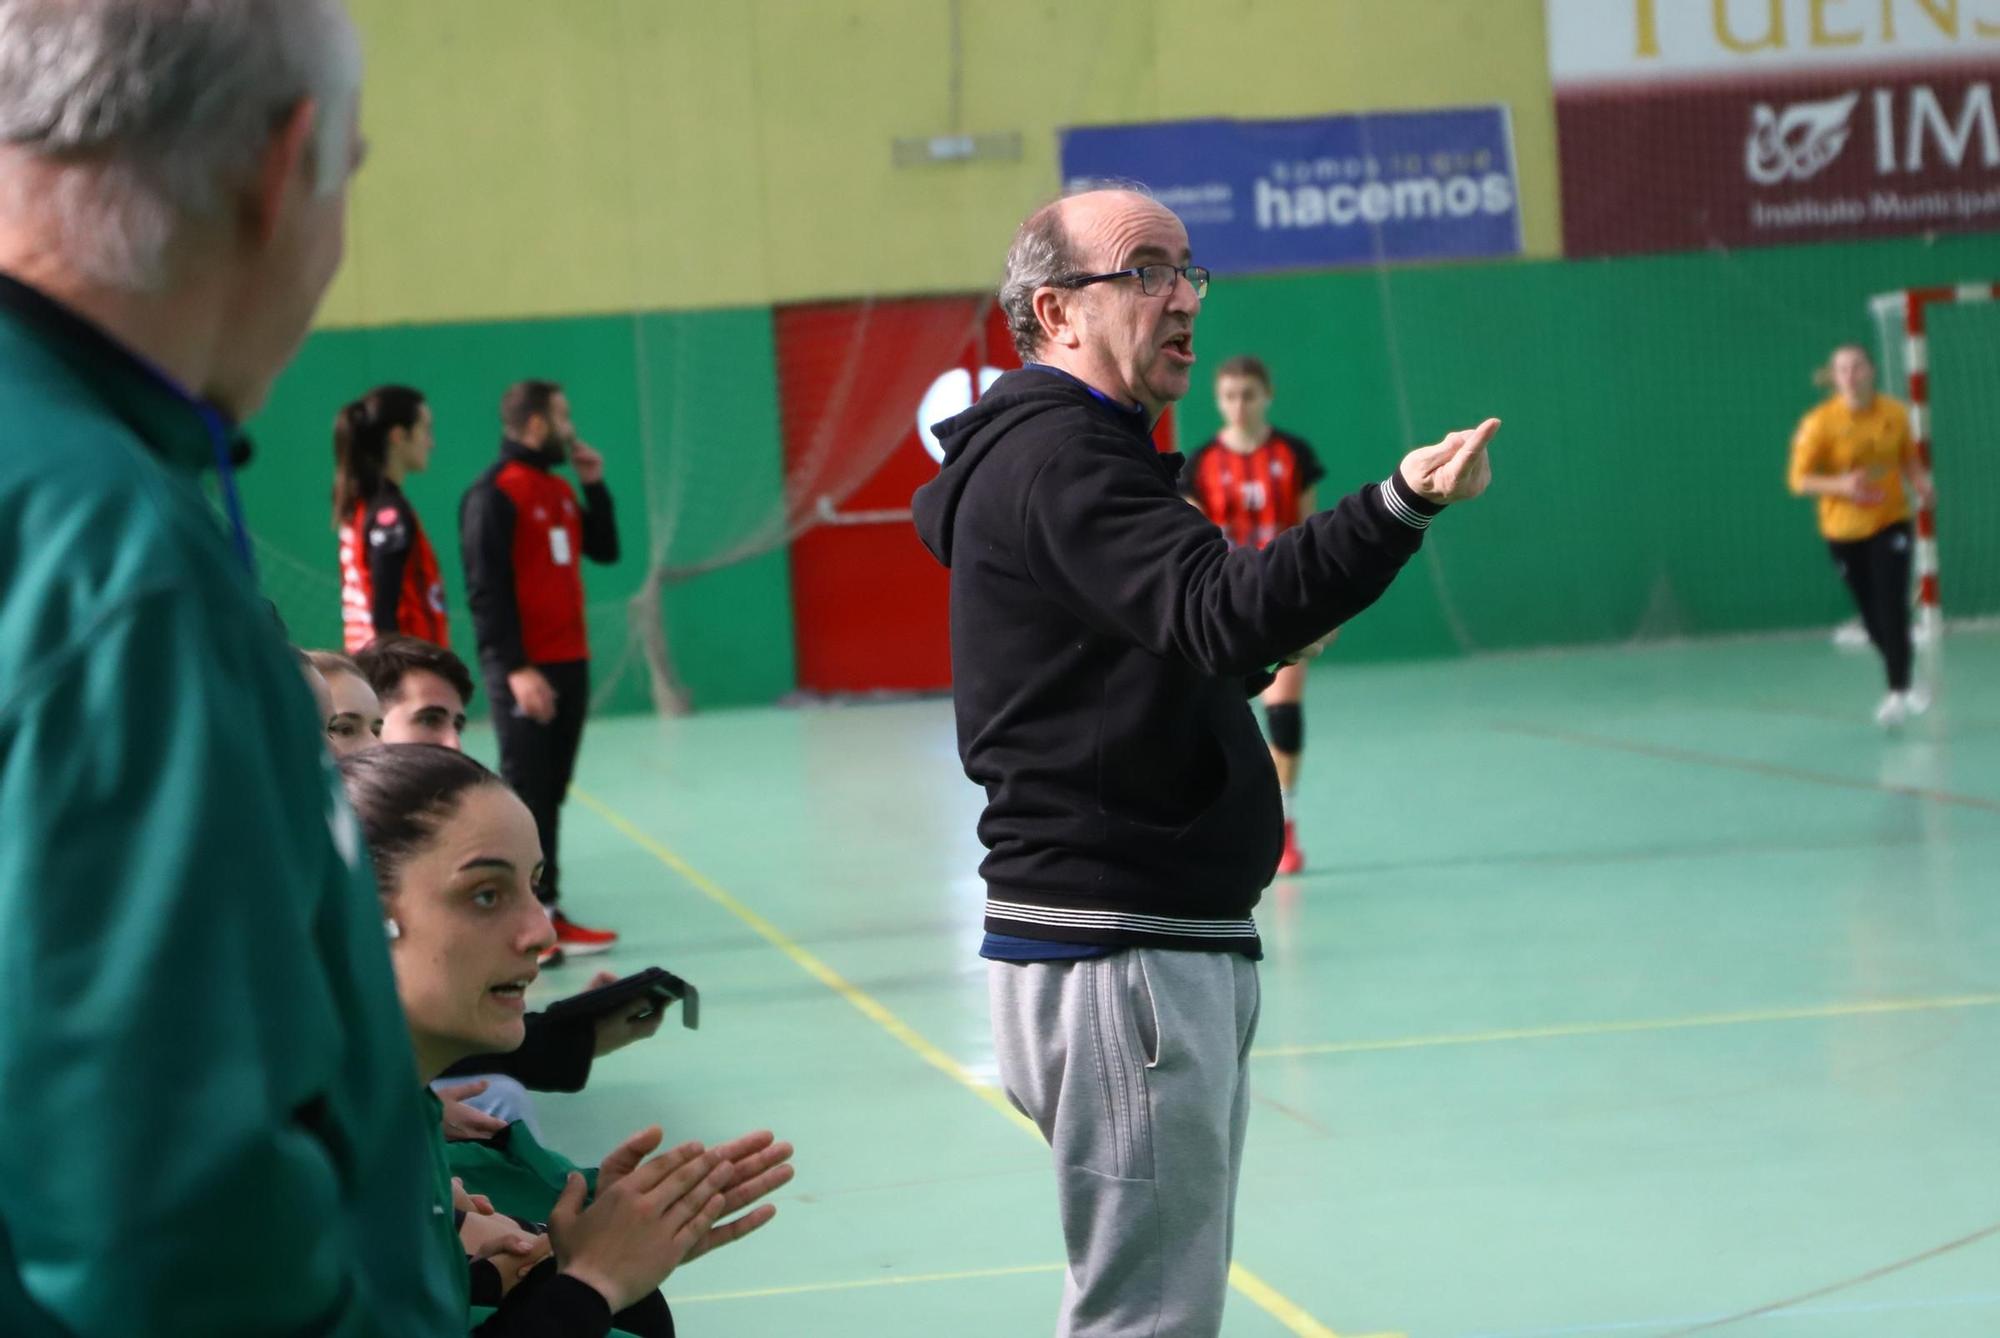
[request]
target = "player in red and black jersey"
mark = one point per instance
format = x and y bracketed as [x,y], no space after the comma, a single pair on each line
[523,536]
[389,578]
[1256,482]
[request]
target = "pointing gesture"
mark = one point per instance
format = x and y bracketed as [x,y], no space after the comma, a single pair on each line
[1454,470]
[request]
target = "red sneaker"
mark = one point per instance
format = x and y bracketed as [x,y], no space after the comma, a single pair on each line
[1294,859]
[549,956]
[577,941]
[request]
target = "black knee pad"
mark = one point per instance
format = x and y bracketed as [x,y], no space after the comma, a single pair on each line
[1287,721]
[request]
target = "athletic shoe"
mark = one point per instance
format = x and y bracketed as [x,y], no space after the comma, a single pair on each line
[549,956]
[1294,859]
[578,941]
[1893,711]
[1917,700]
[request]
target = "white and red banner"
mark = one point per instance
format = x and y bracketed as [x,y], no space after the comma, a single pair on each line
[1690,124]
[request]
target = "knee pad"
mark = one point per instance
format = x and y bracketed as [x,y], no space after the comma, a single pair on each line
[1287,721]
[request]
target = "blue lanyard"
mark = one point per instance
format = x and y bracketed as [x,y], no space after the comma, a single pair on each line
[225,473]
[219,437]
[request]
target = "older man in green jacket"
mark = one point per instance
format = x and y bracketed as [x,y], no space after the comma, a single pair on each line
[210,1121]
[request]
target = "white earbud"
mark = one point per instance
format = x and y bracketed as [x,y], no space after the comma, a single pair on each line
[392,929]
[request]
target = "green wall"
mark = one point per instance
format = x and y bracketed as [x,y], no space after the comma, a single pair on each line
[683,407]
[1640,490]
[1649,405]
[1965,389]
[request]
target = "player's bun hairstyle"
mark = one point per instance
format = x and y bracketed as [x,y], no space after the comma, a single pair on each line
[403,793]
[1243,364]
[361,444]
[1823,374]
[525,400]
[388,660]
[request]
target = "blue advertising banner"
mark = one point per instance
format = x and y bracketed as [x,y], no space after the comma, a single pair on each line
[1334,190]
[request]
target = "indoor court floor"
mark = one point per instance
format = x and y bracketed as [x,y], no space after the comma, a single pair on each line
[1631,991]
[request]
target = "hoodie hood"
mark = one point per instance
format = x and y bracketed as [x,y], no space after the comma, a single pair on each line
[969,437]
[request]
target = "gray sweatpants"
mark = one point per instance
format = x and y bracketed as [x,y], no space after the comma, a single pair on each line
[1136,1069]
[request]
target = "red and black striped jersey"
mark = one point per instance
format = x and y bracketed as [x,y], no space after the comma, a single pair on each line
[1257,496]
[389,579]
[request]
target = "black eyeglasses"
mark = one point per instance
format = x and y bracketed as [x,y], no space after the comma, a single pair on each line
[1153,279]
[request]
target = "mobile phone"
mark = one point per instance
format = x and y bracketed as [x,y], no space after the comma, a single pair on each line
[651,990]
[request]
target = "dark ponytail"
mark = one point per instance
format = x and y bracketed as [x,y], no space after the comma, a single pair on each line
[361,444]
[403,793]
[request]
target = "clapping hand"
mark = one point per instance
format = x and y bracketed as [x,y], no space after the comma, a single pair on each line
[762,1166]
[1454,470]
[642,1221]
[759,1165]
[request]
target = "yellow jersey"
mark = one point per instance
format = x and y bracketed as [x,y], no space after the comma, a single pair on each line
[1834,439]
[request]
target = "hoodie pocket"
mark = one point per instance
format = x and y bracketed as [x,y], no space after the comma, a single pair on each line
[1160,785]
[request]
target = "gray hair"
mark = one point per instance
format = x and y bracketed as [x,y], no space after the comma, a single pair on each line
[152,111]
[1041,255]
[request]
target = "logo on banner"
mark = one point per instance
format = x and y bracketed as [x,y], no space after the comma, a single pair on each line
[1798,143]
[1323,191]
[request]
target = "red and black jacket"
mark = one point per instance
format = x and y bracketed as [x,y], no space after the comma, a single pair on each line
[522,534]
[389,578]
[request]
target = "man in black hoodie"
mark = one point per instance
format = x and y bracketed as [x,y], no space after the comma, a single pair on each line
[1106,642]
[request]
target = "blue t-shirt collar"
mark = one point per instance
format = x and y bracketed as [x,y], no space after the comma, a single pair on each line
[1134,410]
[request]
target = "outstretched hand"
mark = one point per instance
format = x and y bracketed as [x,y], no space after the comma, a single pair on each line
[1454,470]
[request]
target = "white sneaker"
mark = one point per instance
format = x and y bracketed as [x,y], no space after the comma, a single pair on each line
[1893,711]
[1917,700]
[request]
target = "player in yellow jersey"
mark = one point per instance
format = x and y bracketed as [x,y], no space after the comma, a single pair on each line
[1856,455]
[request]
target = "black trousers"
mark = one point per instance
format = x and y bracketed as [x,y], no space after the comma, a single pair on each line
[537,760]
[1877,572]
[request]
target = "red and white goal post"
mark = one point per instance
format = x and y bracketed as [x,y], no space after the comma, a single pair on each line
[1902,320]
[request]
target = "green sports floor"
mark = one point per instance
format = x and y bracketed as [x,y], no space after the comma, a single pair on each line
[1634,991]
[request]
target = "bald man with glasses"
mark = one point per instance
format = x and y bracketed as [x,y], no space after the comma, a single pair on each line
[1106,643]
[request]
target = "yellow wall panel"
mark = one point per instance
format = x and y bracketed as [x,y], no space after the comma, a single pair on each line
[532,159]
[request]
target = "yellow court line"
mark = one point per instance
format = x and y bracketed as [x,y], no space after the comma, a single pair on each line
[806,961]
[967,1275]
[1271,1298]
[1260,1293]
[1818,1011]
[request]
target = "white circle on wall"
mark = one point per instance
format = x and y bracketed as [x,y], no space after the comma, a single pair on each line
[950,394]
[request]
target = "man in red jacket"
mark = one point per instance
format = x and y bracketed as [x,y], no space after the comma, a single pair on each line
[523,533]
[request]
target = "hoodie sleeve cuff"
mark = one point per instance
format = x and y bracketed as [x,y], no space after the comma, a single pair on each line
[1405,505]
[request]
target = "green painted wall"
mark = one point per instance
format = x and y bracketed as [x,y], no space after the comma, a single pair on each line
[1965,424]
[1649,405]
[684,408]
[1648,402]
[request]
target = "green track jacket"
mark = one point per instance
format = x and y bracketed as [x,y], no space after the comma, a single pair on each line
[209,1116]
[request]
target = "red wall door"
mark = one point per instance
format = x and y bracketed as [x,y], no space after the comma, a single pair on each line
[870,605]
